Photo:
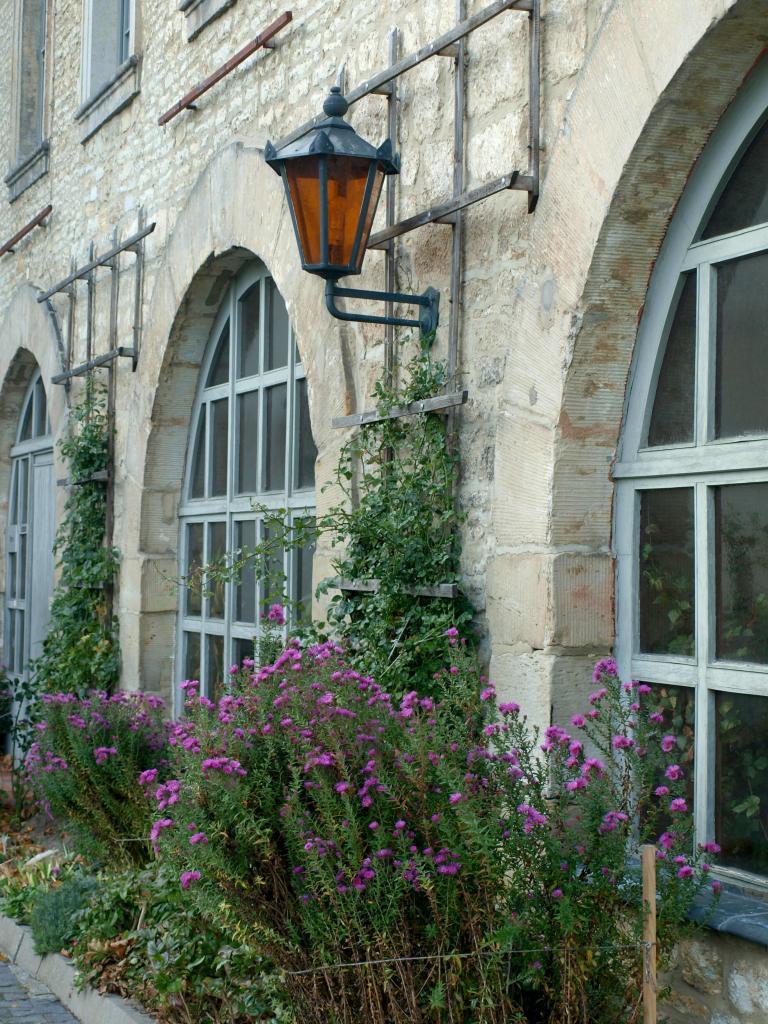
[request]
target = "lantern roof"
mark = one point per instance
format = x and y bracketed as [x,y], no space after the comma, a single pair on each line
[333,137]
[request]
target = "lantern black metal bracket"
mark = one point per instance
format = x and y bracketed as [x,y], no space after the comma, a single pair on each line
[428,300]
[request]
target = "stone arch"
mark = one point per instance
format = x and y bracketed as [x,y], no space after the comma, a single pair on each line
[29,338]
[636,122]
[235,212]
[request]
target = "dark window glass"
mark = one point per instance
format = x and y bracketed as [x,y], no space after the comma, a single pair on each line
[741,532]
[23,489]
[306,452]
[197,483]
[12,640]
[277,328]
[219,372]
[741,380]
[219,446]
[677,704]
[194,564]
[741,796]
[214,664]
[22,565]
[242,649]
[666,572]
[302,572]
[14,518]
[192,656]
[215,588]
[247,442]
[26,426]
[672,417]
[12,575]
[272,574]
[275,413]
[744,200]
[249,332]
[245,594]
[41,410]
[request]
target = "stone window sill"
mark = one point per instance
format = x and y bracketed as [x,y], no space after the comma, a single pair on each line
[738,913]
[112,97]
[200,13]
[28,171]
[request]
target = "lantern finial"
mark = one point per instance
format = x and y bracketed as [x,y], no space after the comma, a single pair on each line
[335,104]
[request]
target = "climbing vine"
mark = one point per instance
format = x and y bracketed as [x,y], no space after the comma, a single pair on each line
[80,651]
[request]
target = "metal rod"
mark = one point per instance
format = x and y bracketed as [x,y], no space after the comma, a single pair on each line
[391,201]
[534,104]
[439,403]
[413,60]
[449,590]
[428,300]
[83,368]
[89,307]
[260,41]
[109,515]
[458,188]
[138,289]
[445,208]
[37,221]
[81,272]
[72,296]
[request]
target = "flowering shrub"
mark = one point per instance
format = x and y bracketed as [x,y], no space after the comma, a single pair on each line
[85,763]
[483,867]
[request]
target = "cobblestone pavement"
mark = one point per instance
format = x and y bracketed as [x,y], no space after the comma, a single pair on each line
[23,1000]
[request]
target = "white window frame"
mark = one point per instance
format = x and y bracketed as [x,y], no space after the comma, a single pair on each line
[703,464]
[232,508]
[23,453]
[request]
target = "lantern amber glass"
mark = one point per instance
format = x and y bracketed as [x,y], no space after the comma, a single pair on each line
[304,184]
[347,180]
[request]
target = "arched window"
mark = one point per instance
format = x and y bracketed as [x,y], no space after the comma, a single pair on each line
[30,534]
[250,444]
[692,490]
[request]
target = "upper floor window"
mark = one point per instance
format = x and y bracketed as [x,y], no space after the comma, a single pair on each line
[250,448]
[31,77]
[108,42]
[692,495]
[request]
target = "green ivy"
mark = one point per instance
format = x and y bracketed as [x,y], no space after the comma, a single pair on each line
[81,649]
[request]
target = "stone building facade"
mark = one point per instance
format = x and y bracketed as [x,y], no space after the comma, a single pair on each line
[645,106]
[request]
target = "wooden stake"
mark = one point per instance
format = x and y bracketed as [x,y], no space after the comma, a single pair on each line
[648,857]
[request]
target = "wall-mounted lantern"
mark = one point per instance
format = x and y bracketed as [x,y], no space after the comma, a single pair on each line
[333,181]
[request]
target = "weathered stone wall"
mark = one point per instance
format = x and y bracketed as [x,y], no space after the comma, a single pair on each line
[720,980]
[630,92]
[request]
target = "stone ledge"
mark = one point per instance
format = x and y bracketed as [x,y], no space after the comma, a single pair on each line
[28,171]
[58,974]
[200,13]
[736,914]
[111,98]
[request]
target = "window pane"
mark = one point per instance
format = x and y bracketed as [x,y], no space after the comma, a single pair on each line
[741,798]
[741,382]
[106,45]
[12,640]
[672,418]
[276,349]
[192,656]
[242,649]
[741,532]
[249,332]
[219,446]
[745,199]
[306,452]
[194,564]
[245,593]
[666,572]
[215,587]
[23,490]
[272,575]
[219,372]
[274,437]
[214,664]
[26,427]
[41,410]
[13,517]
[247,442]
[31,77]
[12,576]
[197,483]
[22,565]
[302,577]
[20,641]
[677,704]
